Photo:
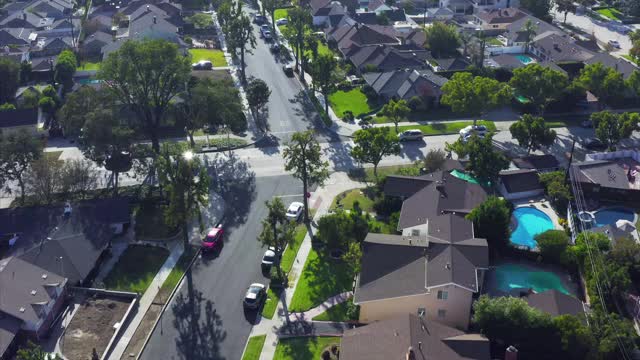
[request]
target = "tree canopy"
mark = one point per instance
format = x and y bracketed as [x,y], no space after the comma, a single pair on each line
[65,68]
[324,76]
[603,82]
[10,75]
[491,221]
[239,32]
[18,151]
[611,127]
[485,162]
[466,94]
[258,93]
[553,246]
[538,8]
[540,84]
[442,39]
[300,21]
[532,133]
[372,144]
[277,230]
[556,188]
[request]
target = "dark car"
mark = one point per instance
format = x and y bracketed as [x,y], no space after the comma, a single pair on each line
[275,48]
[259,19]
[593,144]
[255,296]
[288,70]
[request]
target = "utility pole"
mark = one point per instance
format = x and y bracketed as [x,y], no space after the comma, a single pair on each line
[566,174]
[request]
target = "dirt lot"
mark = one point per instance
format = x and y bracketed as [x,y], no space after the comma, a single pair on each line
[92,327]
[139,336]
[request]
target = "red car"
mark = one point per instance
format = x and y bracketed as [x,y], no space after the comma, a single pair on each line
[213,239]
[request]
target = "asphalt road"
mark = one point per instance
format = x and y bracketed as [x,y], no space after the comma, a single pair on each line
[289,110]
[212,324]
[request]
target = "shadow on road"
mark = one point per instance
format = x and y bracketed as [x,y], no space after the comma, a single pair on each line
[412,149]
[269,145]
[339,154]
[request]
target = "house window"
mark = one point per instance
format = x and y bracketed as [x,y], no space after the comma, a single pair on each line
[415,232]
[442,313]
[443,295]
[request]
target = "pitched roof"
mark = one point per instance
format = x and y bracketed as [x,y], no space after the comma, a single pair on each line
[406,84]
[26,289]
[612,232]
[555,303]
[514,30]
[537,162]
[621,65]
[99,37]
[500,16]
[317,5]
[8,37]
[18,117]
[452,64]
[387,58]
[604,173]
[392,338]
[362,35]
[516,181]
[405,186]
[9,327]
[559,47]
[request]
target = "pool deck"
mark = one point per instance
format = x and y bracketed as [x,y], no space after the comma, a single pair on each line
[635,234]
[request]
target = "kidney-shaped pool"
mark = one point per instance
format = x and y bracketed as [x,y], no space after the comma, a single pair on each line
[529,223]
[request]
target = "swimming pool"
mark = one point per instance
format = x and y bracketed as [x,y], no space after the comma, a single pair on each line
[524,59]
[510,277]
[529,223]
[609,216]
[89,81]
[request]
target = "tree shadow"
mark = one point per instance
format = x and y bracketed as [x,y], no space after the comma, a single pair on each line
[269,145]
[199,333]
[236,183]
[339,154]
[412,149]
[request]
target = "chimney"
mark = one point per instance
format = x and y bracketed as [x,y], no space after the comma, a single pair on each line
[441,189]
[511,353]
[148,7]
[419,345]
[24,16]
[155,20]
[410,354]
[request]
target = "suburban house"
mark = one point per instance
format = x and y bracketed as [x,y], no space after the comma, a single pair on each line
[349,38]
[519,184]
[497,20]
[30,300]
[436,266]
[555,303]
[71,245]
[613,232]
[612,176]
[558,47]
[13,121]
[621,65]
[405,84]
[321,10]
[461,6]
[539,163]
[409,336]
[388,58]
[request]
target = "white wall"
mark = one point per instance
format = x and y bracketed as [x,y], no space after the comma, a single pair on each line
[519,195]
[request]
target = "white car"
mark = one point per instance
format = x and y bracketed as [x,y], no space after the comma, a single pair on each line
[269,257]
[469,135]
[413,134]
[294,211]
[614,43]
[255,295]
[282,21]
[478,129]
[267,35]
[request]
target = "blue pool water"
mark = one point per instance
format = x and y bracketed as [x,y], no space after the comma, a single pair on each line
[89,81]
[524,59]
[610,216]
[511,276]
[530,222]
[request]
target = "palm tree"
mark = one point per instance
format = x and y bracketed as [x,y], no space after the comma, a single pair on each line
[565,6]
[529,30]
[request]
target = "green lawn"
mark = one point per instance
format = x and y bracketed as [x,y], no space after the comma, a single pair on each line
[270,306]
[365,197]
[281,14]
[628,57]
[321,278]
[611,13]
[367,173]
[176,273]
[55,155]
[443,128]
[353,100]
[215,56]
[337,313]
[136,268]
[291,251]
[254,347]
[150,224]
[303,348]
[87,65]
[494,41]
[441,113]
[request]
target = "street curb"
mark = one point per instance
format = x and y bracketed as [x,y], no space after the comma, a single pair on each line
[166,304]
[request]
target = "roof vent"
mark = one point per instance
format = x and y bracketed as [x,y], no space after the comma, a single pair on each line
[447,266]
[33,292]
[21,309]
[44,276]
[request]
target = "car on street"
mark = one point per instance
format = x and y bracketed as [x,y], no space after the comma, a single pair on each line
[202,65]
[255,296]
[269,257]
[275,48]
[468,137]
[295,210]
[267,36]
[593,144]
[614,43]
[288,70]
[213,239]
[282,21]
[259,19]
[413,134]
[478,129]
[265,28]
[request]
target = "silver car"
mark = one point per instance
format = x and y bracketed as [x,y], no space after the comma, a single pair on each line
[413,134]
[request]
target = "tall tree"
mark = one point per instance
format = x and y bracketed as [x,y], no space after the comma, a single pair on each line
[299,24]
[553,246]
[396,110]
[186,182]
[603,82]
[258,93]
[17,152]
[491,220]
[538,8]
[65,68]
[10,75]
[372,144]
[324,76]
[565,7]
[529,30]
[146,76]
[633,82]
[30,99]
[540,84]
[556,188]
[239,32]
[466,94]
[270,7]
[43,179]
[611,127]
[79,176]
[442,39]
[303,157]
[78,104]
[531,132]
[277,230]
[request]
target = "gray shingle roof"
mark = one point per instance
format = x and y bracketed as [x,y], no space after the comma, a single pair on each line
[604,173]
[537,162]
[391,339]
[559,47]
[9,327]
[619,64]
[18,117]
[555,303]
[516,181]
[406,84]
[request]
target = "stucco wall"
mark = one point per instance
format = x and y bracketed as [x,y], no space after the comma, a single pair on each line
[457,307]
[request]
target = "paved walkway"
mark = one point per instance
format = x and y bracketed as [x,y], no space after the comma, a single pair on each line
[145,301]
[321,200]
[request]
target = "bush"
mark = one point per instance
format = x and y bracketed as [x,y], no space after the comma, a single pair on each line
[345,85]
[369,92]
[387,205]
[553,246]
[347,116]
[353,311]
[276,280]
[434,160]
[416,103]
[491,220]
[188,40]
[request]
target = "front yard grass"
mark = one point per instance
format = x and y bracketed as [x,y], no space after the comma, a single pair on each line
[176,273]
[353,100]
[322,277]
[214,55]
[366,174]
[136,268]
[365,198]
[289,255]
[630,58]
[254,347]
[88,65]
[303,348]
[271,304]
[611,13]
[337,313]
[444,128]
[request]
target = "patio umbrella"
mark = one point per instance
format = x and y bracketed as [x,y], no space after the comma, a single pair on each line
[625,225]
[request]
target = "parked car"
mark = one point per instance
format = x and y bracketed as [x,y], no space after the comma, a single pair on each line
[593,144]
[269,257]
[469,135]
[213,239]
[255,296]
[275,48]
[478,129]
[614,43]
[266,35]
[282,21]
[295,210]
[288,70]
[202,65]
[413,134]
[259,19]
